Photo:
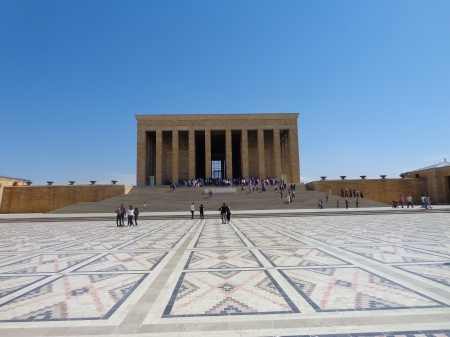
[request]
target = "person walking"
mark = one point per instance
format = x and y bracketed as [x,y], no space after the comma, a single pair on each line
[118,217]
[357,202]
[202,209]
[192,211]
[346,203]
[228,214]
[122,214]
[223,213]
[326,197]
[409,200]
[130,216]
[402,200]
[136,214]
[145,205]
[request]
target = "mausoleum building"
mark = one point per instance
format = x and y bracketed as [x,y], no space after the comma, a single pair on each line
[182,147]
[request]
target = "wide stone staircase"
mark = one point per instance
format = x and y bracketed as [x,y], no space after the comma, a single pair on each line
[161,199]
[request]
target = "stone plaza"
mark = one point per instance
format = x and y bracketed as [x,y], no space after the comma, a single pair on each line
[370,272]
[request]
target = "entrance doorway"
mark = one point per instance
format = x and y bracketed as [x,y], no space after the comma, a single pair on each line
[217,168]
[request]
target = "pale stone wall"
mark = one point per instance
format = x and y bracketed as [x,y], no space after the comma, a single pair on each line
[438,183]
[41,199]
[382,190]
[5,182]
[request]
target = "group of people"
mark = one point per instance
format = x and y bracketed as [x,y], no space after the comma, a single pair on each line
[349,193]
[132,213]
[225,212]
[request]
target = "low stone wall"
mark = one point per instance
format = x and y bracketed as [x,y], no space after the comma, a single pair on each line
[41,199]
[382,190]
[221,190]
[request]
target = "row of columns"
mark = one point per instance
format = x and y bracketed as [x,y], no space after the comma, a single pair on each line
[293,153]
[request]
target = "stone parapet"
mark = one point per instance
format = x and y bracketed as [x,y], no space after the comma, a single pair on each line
[41,199]
[221,190]
[381,190]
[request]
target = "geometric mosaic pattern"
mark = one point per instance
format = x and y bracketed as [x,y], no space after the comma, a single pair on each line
[222,259]
[71,297]
[435,272]
[329,289]
[300,257]
[394,254]
[122,261]
[275,271]
[45,263]
[227,293]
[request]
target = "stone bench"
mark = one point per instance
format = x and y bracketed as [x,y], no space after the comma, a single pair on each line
[221,190]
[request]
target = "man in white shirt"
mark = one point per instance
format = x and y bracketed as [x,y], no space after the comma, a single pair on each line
[409,199]
[192,211]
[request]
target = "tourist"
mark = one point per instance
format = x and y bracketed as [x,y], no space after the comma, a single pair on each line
[202,209]
[228,214]
[409,199]
[210,193]
[281,192]
[361,194]
[354,193]
[326,197]
[130,216]
[293,194]
[118,217]
[402,200]
[346,192]
[422,199]
[428,202]
[145,205]
[357,194]
[351,196]
[192,211]
[122,214]
[319,203]
[223,213]
[342,192]
[337,204]
[346,203]
[242,187]
[136,214]
[357,202]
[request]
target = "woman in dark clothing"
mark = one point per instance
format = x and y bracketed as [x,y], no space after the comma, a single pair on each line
[136,214]
[228,214]
[201,212]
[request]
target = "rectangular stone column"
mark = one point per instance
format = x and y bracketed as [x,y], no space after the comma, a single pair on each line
[228,154]
[244,153]
[192,154]
[261,159]
[294,155]
[208,153]
[158,178]
[277,152]
[141,157]
[175,156]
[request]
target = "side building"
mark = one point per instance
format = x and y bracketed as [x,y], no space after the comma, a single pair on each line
[182,147]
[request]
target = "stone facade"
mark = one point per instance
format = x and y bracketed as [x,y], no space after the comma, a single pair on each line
[181,147]
[433,181]
[10,181]
[41,199]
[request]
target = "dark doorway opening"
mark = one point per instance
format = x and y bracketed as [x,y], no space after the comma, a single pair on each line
[218,151]
[236,156]
[200,166]
[150,164]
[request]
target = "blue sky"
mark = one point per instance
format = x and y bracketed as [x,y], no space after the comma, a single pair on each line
[370,79]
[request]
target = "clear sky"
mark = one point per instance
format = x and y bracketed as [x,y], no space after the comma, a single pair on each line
[370,79]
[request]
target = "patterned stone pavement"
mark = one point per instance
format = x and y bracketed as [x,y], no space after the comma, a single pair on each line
[361,275]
